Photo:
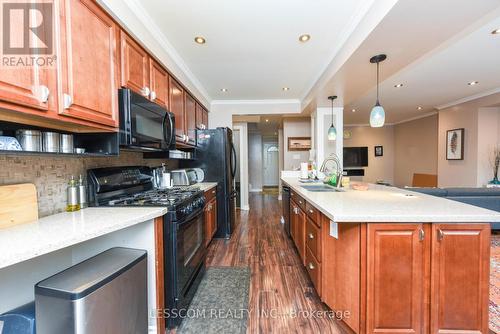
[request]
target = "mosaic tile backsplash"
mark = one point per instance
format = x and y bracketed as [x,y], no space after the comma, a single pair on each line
[50,174]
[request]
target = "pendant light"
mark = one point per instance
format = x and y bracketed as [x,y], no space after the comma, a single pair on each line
[377,116]
[332,131]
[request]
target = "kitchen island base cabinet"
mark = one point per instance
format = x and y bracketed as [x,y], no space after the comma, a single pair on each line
[297,226]
[460,278]
[396,269]
[408,277]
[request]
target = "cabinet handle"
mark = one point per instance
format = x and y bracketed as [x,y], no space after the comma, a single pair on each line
[311,211]
[67,101]
[213,191]
[152,96]
[41,92]
[421,235]
[296,211]
[311,236]
[145,91]
[311,266]
[440,235]
[300,202]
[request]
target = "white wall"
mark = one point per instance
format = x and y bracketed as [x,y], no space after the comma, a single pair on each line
[221,112]
[255,161]
[488,139]
[295,127]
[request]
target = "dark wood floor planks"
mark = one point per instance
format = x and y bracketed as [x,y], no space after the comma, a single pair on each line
[279,283]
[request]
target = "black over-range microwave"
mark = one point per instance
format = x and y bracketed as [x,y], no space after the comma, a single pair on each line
[145,125]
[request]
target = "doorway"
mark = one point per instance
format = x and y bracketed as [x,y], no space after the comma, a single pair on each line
[270,164]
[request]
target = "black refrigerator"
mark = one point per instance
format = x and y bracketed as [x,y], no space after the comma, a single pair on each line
[216,156]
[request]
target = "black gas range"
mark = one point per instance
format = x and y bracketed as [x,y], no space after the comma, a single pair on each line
[183,226]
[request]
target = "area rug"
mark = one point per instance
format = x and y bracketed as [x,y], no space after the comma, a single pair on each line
[495,284]
[220,305]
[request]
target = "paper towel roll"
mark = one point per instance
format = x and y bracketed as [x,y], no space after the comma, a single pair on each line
[304,170]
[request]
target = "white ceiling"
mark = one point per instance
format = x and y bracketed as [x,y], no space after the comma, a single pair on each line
[252,47]
[439,78]
[434,48]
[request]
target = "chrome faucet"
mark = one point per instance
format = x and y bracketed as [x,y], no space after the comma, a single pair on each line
[333,157]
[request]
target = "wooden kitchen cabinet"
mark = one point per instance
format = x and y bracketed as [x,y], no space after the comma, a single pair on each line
[89,63]
[199,117]
[205,118]
[190,118]
[210,215]
[176,98]
[460,278]
[395,268]
[298,225]
[135,66]
[341,270]
[158,83]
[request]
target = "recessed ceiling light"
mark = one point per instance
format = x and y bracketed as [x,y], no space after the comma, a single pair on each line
[472,83]
[304,38]
[419,108]
[223,90]
[200,40]
[398,85]
[353,110]
[496,31]
[267,120]
[286,88]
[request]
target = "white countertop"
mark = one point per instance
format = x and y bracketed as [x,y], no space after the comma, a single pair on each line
[48,234]
[390,204]
[204,186]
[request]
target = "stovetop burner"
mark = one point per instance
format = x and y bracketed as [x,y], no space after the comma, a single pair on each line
[157,197]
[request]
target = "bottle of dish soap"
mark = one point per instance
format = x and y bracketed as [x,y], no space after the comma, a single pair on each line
[72,194]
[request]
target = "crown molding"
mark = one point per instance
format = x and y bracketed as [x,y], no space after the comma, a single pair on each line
[469,98]
[255,102]
[142,15]
[429,114]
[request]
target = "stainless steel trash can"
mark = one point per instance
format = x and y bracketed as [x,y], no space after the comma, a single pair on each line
[104,294]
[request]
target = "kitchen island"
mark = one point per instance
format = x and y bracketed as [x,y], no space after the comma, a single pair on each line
[395,261]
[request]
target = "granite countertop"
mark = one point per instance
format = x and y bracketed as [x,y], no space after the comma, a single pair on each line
[390,204]
[48,234]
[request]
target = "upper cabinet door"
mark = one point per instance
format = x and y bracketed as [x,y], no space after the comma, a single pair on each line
[460,278]
[89,57]
[205,118]
[176,103]
[190,111]
[199,116]
[395,278]
[159,83]
[29,88]
[134,66]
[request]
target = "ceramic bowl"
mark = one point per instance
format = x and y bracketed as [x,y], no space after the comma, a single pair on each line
[9,144]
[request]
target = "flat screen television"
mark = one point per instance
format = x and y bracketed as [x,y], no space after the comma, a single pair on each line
[355,156]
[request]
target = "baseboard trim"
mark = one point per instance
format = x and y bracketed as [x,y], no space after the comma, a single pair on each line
[256,190]
[245,207]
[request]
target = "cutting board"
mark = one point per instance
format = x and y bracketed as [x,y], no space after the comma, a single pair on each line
[18,204]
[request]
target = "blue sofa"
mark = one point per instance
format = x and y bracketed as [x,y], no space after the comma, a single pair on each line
[488,198]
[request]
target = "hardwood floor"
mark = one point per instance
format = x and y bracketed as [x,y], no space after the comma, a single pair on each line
[280,287]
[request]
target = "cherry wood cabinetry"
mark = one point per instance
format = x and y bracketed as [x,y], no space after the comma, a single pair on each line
[396,262]
[210,215]
[341,279]
[135,67]
[176,97]
[190,118]
[204,115]
[89,63]
[460,278]
[298,225]
[158,83]
[407,277]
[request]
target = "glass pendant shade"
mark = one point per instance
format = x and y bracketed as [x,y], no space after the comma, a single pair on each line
[332,133]
[377,116]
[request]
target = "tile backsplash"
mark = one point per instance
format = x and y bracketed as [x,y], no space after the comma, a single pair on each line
[50,174]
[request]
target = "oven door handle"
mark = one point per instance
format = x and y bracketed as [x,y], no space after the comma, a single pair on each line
[170,138]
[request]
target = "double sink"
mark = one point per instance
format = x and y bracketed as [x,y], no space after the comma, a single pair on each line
[321,188]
